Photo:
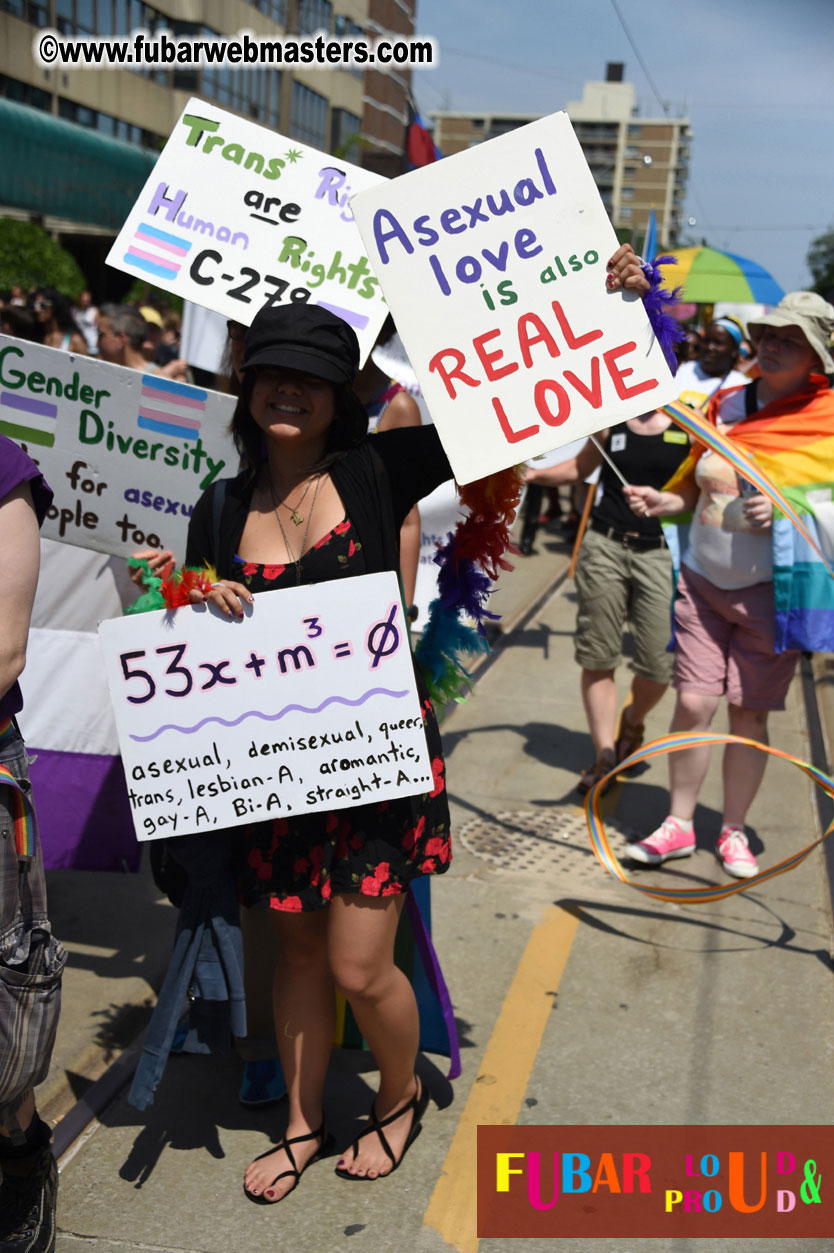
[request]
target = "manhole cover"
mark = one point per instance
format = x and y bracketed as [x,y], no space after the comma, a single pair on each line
[542,840]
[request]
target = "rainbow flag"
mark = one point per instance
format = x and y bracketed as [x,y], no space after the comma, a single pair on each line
[786,450]
[23,815]
[169,408]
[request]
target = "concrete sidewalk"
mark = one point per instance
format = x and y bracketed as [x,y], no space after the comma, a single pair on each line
[644,1012]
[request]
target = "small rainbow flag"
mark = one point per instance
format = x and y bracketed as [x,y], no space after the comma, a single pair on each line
[157,252]
[23,815]
[171,408]
[25,418]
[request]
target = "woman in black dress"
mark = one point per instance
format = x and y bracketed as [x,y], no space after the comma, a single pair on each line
[320,501]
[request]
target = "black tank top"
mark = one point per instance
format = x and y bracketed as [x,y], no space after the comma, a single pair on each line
[644,461]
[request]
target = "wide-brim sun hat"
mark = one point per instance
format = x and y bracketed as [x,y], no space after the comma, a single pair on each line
[303,337]
[808,311]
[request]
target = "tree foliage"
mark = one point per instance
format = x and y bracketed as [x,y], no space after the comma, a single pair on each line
[820,261]
[29,257]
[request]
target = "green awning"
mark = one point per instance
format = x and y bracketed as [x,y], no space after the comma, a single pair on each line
[59,169]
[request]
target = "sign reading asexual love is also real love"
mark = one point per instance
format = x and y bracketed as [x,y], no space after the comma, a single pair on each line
[494,264]
[235,217]
[308,703]
[127,454]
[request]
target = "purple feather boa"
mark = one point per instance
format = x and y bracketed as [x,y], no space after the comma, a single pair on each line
[657,303]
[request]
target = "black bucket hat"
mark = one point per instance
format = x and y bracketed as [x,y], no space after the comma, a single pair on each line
[306,338]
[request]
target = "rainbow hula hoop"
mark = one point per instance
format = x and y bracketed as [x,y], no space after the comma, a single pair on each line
[694,896]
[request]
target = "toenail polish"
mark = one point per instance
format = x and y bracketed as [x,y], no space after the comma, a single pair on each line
[270,1193]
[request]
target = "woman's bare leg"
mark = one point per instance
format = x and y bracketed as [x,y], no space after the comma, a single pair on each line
[305,1022]
[361,941]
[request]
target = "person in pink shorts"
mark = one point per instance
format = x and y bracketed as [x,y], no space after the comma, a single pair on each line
[724,611]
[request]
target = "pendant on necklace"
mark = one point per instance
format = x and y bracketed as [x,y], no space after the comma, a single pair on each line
[296,517]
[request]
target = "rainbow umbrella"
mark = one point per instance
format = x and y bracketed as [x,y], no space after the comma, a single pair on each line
[707,275]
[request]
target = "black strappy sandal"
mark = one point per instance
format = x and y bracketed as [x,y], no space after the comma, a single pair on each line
[326,1147]
[418,1103]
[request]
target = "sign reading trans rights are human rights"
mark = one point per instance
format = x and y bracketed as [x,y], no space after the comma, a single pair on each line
[494,265]
[234,217]
[127,454]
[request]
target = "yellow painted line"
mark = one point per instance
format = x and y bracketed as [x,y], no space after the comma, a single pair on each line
[503,1076]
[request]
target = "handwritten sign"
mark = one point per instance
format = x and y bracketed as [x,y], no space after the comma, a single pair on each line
[307,704]
[236,217]
[493,262]
[127,454]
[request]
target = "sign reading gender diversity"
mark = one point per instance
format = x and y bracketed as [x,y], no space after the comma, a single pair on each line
[127,454]
[494,265]
[309,703]
[235,217]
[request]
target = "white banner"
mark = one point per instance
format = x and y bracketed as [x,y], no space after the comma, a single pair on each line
[309,703]
[493,263]
[127,454]
[234,217]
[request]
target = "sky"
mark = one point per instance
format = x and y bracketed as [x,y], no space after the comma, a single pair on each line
[754,77]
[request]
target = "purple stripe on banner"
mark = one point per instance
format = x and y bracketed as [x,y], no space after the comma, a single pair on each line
[167,398]
[177,249]
[175,419]
[438,984]
[26,405]
[161,263]
[359,320]
[83,811]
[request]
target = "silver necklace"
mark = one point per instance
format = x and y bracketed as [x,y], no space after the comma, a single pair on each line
[296,561]
[292,510]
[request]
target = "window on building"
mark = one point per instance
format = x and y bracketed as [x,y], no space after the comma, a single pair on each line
[27,11]
[344,28]
[344,126]
[11,89]
[627,193]
[632,153]
[626,213]
[256,93]
[308,116]
[275,9]
[634,132]
[314,15]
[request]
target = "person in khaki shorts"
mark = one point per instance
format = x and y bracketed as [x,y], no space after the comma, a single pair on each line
[624,574]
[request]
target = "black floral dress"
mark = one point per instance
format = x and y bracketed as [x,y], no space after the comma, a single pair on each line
[297,863]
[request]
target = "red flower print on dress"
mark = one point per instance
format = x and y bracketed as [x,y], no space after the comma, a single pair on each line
[326,890]
[250,568]
[273,572]
[437,847]
[351,548]
[355,843]
[301,865]
[392,889]
[383,872]
[331,822]
[342,527]
[316,858]
[429,866]
[411,837]
[437,774]
[370,886]
[325,539]
[262,868]
[290,904]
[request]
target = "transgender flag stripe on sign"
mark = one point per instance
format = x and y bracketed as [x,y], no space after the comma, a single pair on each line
[170,408]
[157,252]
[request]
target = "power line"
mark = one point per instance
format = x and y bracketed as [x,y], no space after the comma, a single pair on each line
[664,106]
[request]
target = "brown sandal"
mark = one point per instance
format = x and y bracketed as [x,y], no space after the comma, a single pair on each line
[592,775]
[629,737]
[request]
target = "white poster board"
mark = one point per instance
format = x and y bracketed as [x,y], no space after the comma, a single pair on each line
[493,262]
[234,217]
[127,454]
[308,703]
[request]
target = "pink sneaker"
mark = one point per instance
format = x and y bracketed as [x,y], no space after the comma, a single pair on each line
[734,854]
[671,839]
